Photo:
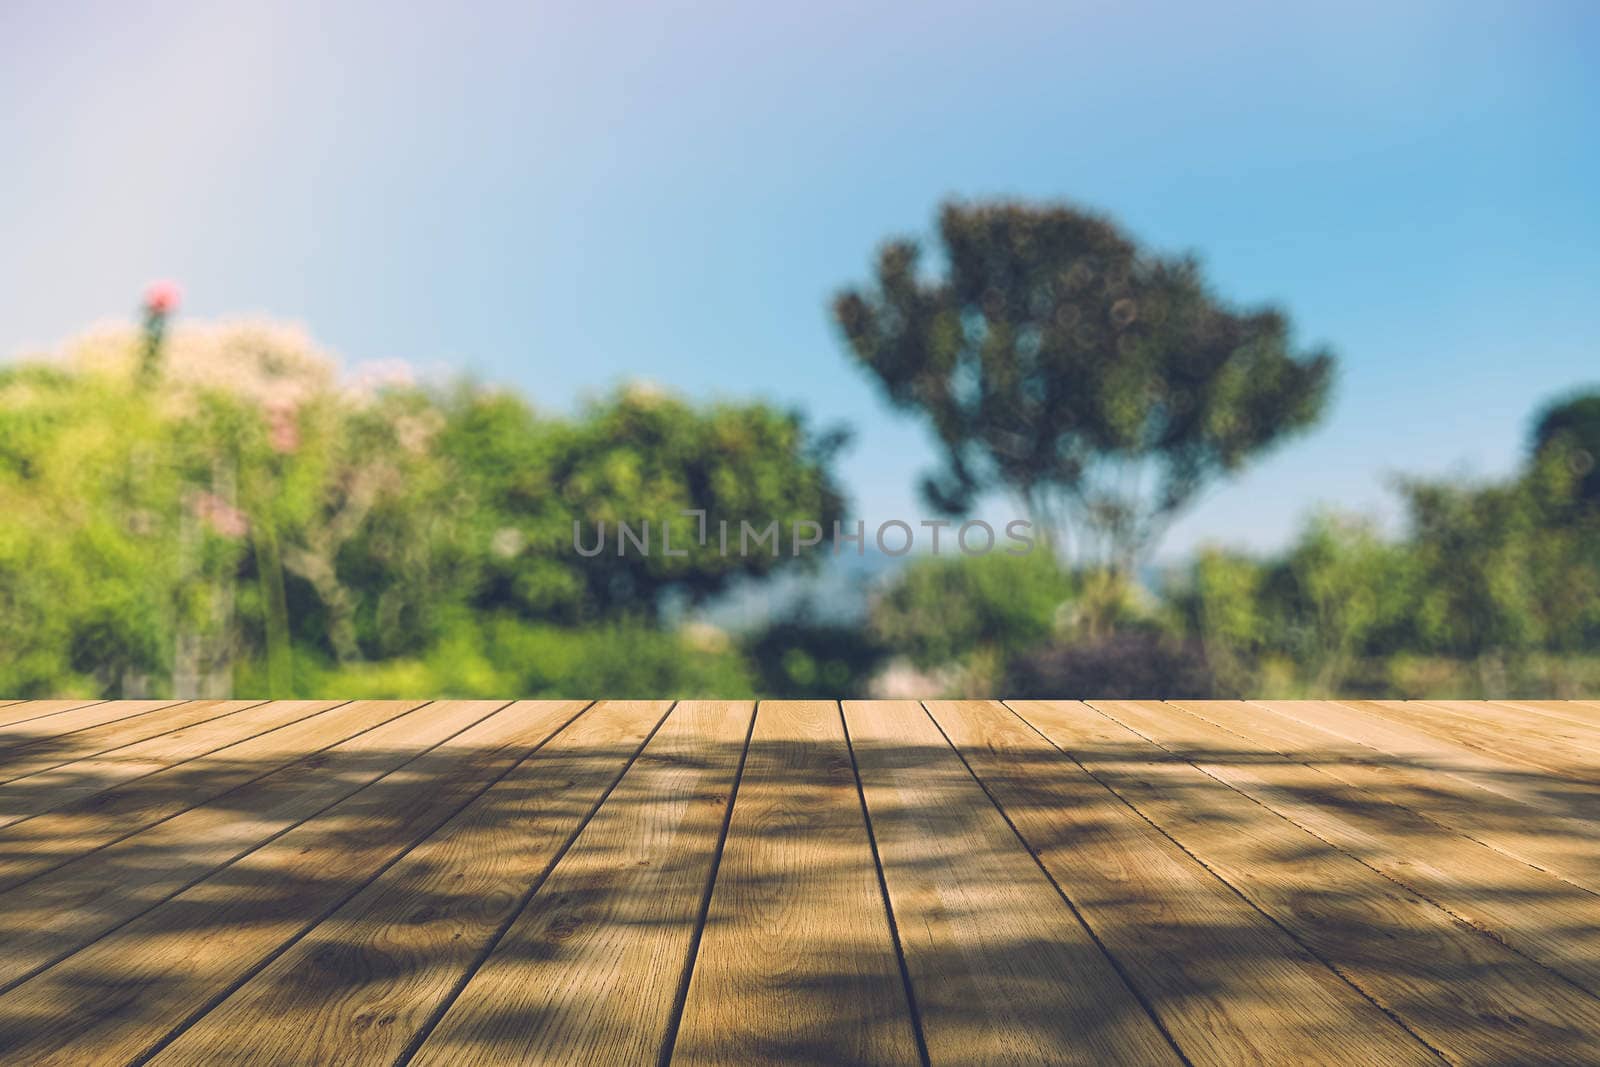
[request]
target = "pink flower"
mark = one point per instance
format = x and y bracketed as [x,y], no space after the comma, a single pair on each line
[161,298]
[222,517]
[285,437]
[283,425]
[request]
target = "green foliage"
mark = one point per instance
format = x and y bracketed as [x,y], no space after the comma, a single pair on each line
[1339,592]
[1488,582]
[1100,383]
[979,611]
[1568,432]
[89,585]
[639,456]
[1224,609]
[507,657]
[211,510]
[1471,547]
[1343,591]
[801,657]
[643,456]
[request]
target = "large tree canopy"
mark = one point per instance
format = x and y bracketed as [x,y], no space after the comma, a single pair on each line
[1569,430]
[1100,383]
[638,456]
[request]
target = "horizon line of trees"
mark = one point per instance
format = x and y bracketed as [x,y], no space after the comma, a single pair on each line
[1490,589]
[208,511]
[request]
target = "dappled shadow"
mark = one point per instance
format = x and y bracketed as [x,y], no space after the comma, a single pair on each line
[1440,930]
[361,888]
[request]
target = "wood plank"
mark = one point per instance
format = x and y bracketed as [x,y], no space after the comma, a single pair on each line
[56,751]
[118,998]
[1569,712]
[69,907]
[34,846]
[1462,992]
[1498,717]
[368,981]
[1229,984]
[1534,912]
[593,966]
[1503,822]
[116,738]
[72,717]
[1514,741]
[796,963]
[1002,968]
[45,790]
[17,712]
[1578,805]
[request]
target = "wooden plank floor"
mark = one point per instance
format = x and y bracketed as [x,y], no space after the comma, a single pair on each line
[961,882]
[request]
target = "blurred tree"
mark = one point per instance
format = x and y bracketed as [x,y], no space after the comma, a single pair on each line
[210,504]
[1568,431]
[1132,665]
[90,589]
[1341,585]
[973,613]
[640,455]
[1562,564]
[801,656]
[1223,606]
[208,510]
[1102,384]
[1472,547]
[1564,492]
[495,656]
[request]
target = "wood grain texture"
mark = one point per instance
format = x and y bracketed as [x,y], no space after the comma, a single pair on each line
[122,995]
[100,740]
[44,842]
[476,882]
[15,712]
[1507,823]
[71,906]
[1356,721]
[56,786]
[1546,747]
[363,983]
[1462,992]
[27,727]
[1521,720]
[1569,712]
[796,963]
[590,970]
[1532,911]
[1230,985]
[1002,968]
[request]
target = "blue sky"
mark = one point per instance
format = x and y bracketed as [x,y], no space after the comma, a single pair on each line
[563,197]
